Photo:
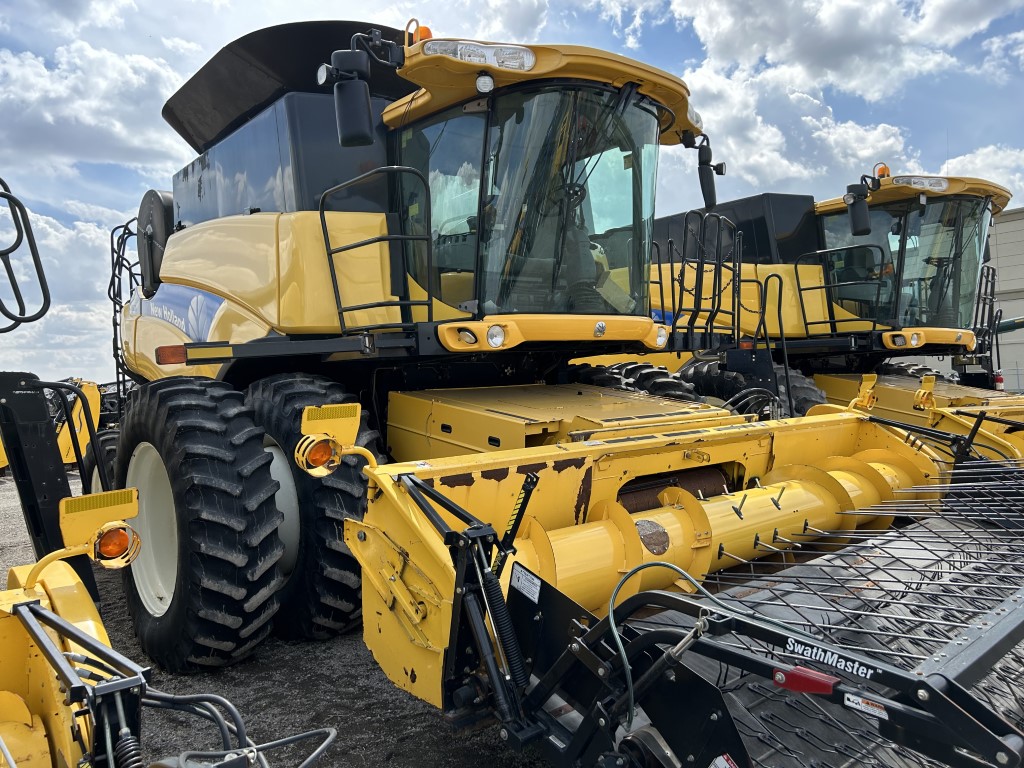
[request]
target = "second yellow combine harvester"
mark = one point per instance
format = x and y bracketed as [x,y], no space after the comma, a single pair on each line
[417,294]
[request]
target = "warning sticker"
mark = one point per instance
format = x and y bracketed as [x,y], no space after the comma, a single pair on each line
[723,761]
[866,706]
[525,582]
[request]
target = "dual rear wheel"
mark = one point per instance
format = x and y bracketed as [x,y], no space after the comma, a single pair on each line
[236,539]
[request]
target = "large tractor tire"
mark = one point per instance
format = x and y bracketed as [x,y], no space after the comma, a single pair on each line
[638,377]
[203,592]
[710,380]
[915,370]
[321,595]
[106,440]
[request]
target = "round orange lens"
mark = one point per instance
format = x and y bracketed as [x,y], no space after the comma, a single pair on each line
[114,542]
[320,453]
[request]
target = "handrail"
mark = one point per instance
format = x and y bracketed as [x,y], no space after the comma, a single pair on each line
[23,233]
[819,259]
[331,252]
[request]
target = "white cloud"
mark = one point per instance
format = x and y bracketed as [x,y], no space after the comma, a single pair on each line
[1004,53]
[950,22]
[1001,164]
[507,20]
[179,46]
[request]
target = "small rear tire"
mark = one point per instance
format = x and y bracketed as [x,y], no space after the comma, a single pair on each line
[106,439]
[638,377]
[321,595]
[711,380]
[203,591]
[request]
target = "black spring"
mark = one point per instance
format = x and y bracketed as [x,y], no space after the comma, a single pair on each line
[504,629]
[128,752]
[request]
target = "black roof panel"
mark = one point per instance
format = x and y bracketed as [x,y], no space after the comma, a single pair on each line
[251,73]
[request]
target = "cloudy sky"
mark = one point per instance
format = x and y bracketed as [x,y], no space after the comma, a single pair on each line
[797,95]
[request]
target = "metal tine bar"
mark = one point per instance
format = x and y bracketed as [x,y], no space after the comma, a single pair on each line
[873,614]
[805,582]
[871,540]
[917,589]
[896,535]
[973,561]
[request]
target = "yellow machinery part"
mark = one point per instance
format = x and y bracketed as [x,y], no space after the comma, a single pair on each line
[22,732]
[787,479]
[76,424]
[452,422]
[44,736]
[951,408]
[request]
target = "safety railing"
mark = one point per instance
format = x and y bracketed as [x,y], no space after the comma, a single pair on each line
[709,255]
[20,314]
[399,258]
[835,291]
[125,278]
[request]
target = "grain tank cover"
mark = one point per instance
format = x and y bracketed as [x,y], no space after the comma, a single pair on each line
[248,75]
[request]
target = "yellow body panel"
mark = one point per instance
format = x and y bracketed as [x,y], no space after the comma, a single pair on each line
[958,185]
[273,266]
[578,537]
[75,425]
[520,328]
[445,82]
[953,412]
[435,423]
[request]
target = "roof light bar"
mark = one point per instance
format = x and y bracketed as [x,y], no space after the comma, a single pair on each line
[501,56]
[929,183]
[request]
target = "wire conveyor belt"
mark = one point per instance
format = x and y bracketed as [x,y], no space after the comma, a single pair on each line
[941,592]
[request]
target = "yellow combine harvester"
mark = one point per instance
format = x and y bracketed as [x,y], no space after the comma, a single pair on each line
[817,300]
[417,293]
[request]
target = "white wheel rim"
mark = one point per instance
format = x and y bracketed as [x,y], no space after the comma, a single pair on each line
[287,500]
[95,484]
[155,571]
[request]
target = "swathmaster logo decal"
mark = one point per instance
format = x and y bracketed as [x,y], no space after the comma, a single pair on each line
[829,658]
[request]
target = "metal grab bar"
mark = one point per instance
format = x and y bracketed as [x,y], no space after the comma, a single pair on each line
[23,234]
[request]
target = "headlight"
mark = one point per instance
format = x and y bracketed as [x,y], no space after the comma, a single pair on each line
[930,183]
[514,57]
[495,336]
[662,336]
[915,339]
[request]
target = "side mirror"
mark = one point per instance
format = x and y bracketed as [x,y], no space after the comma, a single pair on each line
[706,173]
[856,199]
[349,71]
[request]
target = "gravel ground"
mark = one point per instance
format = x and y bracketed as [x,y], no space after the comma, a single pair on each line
[287,688]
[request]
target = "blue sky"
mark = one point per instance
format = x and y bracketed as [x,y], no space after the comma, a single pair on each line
[797,96]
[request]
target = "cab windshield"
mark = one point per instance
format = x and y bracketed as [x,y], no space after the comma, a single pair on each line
[927,259]
[542,201]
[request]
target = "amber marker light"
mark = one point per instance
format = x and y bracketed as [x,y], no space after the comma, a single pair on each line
[320,453]
[170,354]
[116,545]
[113,543]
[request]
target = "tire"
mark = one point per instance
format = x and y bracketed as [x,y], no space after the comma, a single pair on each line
[107,441]
[203,592]
[711,381]
[806,393]
[915,370]
[638,377]
[321,596]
